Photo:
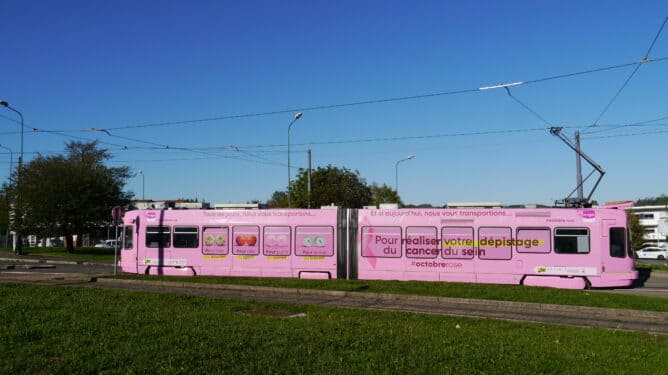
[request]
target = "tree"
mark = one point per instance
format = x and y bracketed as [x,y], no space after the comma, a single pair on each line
[637,231]
[72,193]
[278,199]
[329,185]
[384,194]
[422,205]
[660,200]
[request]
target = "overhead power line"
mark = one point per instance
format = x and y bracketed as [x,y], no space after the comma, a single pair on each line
[637,124]
[379,140]
[629,134]
[258,148]
[527,107]
[358,103]
[372,101]
[607,106]
[645,59]
[655,38]
[256,158]
[400,138]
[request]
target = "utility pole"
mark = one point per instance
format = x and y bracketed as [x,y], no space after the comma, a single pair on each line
[297,117]
[308,185]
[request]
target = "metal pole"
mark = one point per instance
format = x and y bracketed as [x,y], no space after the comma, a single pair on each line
[297,116]
[396,177]
[17,211]
[308,186]
[9,177]
[396,174]
[578,161]
[143,195]
[116,248]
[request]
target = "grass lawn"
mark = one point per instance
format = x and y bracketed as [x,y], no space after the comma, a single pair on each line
[81,330]
[461,290]
[653,267]
[80,253]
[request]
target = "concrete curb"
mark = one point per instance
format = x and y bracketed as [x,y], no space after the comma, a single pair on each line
[517,307]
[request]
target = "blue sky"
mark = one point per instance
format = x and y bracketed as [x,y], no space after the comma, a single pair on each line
[76,65]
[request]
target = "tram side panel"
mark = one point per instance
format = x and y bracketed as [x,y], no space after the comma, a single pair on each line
[407,245]
[564,248]
[256,243]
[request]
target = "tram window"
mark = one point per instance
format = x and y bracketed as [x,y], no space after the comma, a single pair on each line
[533,240]
[422,242]
[617,242]
[457,242]
[571,241]
[127,237]
[381,242]
[494,243]
[157,236]
[186,237]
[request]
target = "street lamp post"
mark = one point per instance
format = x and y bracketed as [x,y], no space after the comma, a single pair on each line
[396,173]
[9,177]
[17,210]
[143,197]
[297,117]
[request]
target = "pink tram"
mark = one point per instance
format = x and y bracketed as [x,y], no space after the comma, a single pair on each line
[572,248]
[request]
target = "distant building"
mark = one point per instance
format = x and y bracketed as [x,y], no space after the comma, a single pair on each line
[473,205]
[388,206]
[176,204]
[655,221]
[238,206]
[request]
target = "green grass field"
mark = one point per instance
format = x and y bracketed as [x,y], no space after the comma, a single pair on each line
[459,290]
[653,267]
[82,330]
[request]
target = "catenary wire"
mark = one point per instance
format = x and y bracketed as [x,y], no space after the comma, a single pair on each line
[358,103]
[527,107]
[655,38]
[628,79]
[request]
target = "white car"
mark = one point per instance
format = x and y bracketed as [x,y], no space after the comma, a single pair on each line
[652,252]
[107,244]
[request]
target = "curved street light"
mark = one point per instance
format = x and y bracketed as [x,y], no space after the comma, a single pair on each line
[396,174]
[297,117]
[17,210]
